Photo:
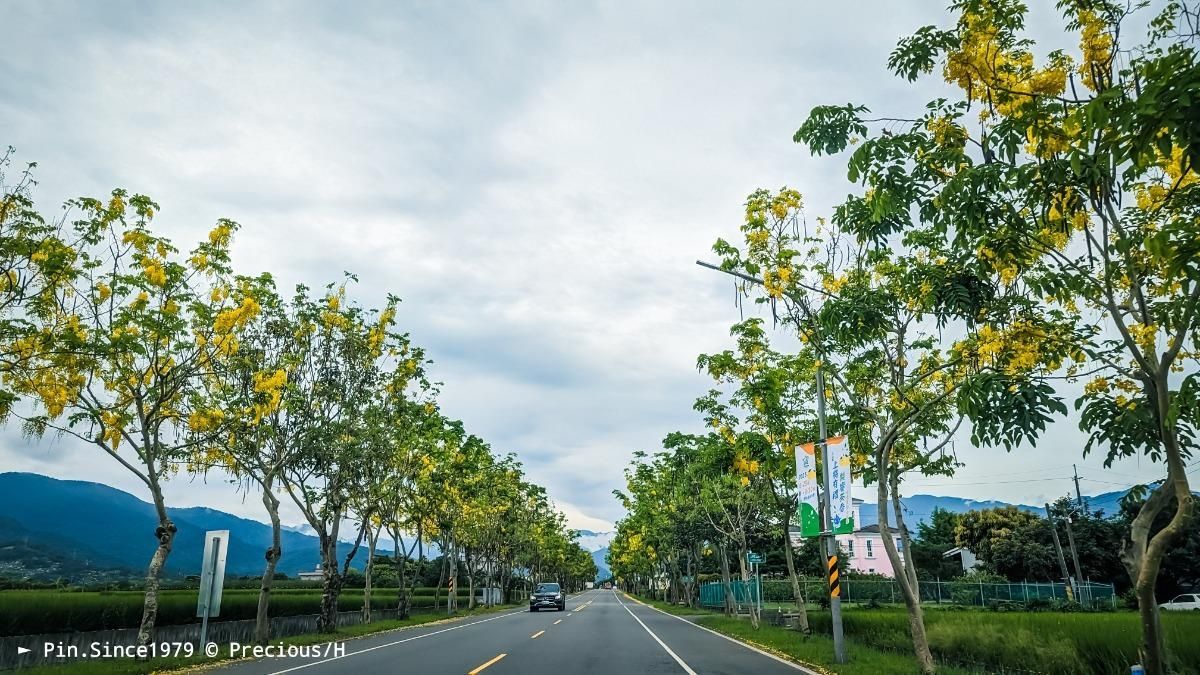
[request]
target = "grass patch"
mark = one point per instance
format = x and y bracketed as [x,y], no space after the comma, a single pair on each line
[38,612]
[816,651]
[131,667]
[1071,643]
[1056,642]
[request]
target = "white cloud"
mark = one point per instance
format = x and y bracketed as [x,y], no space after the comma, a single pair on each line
[534,180]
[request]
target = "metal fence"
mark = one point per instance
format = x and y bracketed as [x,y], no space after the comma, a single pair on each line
[712,594]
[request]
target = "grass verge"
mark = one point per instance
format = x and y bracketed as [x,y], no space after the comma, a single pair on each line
[816,651]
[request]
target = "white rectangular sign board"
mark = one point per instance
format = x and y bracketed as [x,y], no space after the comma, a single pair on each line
[212,572]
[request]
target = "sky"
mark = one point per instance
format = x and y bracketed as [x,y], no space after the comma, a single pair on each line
[534,180]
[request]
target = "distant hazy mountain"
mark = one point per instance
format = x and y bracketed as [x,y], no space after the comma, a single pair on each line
[592,541]
[918,508]
[597,543]
[602,571]
[52,528]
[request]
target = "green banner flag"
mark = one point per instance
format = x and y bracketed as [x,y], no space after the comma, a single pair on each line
[806,482]
[837,453]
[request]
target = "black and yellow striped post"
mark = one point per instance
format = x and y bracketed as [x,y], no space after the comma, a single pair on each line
[835,586]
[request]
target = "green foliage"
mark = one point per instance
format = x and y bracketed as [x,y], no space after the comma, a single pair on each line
[934,537]
[1056,642]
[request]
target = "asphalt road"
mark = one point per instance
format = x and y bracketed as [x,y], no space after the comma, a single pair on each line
[601,633]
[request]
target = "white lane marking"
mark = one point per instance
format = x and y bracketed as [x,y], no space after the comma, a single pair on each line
[535,635]
[687,669]
[393,644]
[733,640]
[558,622]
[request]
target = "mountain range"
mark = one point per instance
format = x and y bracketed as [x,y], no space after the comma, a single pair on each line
[88,532]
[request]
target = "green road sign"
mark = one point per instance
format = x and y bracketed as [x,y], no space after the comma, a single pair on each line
[754,557]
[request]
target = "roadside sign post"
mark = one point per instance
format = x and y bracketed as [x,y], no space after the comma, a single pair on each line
[212,579]
[756,560]
[835,591]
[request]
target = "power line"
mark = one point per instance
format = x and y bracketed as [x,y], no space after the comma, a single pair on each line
[989,482]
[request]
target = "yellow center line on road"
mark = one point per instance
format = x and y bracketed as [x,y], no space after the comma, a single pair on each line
[535,635]
[558,622]
[480,668]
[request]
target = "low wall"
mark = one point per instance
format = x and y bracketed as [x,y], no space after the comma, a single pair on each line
[219,632]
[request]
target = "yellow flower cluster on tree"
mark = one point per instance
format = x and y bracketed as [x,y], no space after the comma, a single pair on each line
[946,133]
[1146,336]
[154,271]
[743,465]
[1001,77]
[55,388]
[236,317]
[220,235]
[378,333]
[139,239]
[1015,349]
[205,420]
[1096,43]
[270,387]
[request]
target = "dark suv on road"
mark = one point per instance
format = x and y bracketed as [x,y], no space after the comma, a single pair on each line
[546,596]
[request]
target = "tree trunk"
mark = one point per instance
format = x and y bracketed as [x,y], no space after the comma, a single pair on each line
[262,620]
[1143,552]
[470,581]
[789,557]
[403,590]
[437,591]
[331,585]
[419,571]
[372,541]
[165,534]
[905,578]
[727,583]
[743,551]
[1142,555]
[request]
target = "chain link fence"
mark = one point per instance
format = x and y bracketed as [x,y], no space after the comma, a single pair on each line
[966,593]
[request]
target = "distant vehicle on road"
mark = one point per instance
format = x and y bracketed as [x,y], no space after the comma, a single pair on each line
[547,595]
[608,587]
[1182,603]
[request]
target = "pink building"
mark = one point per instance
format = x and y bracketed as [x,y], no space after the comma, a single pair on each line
[864,547]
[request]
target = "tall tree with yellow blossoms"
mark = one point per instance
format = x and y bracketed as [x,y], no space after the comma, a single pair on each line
[876,317]
[1070,176]
[776,392]
[136,334]
[247,402]
[345,355]
[35,263]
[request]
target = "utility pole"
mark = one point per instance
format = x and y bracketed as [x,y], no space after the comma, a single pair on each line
[835,592]
[1078,495]
[1080,597]
[1062,561]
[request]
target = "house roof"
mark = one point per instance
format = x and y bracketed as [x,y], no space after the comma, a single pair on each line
[874,529]
[955,551]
